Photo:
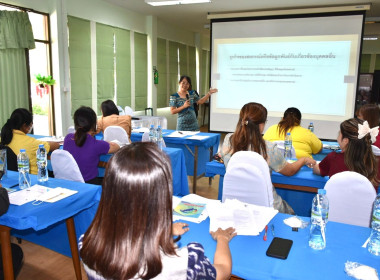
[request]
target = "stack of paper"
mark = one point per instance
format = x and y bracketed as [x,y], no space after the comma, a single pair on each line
[140,130]
[194,208]
[179,134]
[247,219]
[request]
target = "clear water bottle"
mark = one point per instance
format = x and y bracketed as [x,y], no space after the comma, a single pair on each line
[23,169]
[374,239]
[311,127]
[288,146]
[160,139]
[152,134]
[319,216]
[42,175]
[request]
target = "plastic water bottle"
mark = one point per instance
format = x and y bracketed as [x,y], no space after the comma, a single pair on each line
[41,154]
[288,146]
[23,169]
[319,216]
[311,127]
[374,239]
[159,137]
[152,134]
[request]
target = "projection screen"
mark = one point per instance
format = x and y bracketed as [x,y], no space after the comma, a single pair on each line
[310,62]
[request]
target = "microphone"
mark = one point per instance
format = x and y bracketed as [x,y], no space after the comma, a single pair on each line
[187,96]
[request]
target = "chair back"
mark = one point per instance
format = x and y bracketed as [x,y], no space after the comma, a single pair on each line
[163,122]
[351,196]
[281,146]
[65,166]
[70,129]
[145,137]
[248,179]
[121,110]
[118,133]
[128,111]
[375,150]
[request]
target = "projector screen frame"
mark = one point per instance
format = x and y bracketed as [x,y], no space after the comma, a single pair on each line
[361,12]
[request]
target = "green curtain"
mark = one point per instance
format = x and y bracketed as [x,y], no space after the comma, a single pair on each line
[193,67]
[16,35]
[173,67]
[141,74]
[205,71]
[162,90]
[377,62]
[183,60]
[364,63]
[80,62]
[123,67]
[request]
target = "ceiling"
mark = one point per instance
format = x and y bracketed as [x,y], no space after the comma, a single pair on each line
[194,17]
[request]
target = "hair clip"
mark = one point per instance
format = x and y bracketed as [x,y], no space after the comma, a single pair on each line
[363,130]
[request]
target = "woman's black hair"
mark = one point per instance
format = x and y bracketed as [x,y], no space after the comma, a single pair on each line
[292,117]
[18,118]
[188,80]
[109,108]
[84,121]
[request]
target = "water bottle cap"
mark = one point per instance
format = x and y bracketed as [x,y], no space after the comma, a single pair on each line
[40,145]
[288,133]
[152,125]
[22,150]
[159,126]
[311,123]
[321,191]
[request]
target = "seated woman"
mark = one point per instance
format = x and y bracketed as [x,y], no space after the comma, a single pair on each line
[183,103]
[111,117]
[354,140]
[248,137]
[138,187]
[83,146]
[371,114]
[305,142]
[13,135]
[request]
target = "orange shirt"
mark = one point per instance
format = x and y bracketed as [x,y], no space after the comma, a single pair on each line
[123,121]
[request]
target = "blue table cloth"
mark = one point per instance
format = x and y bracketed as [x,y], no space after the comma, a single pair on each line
[249,260]
[44,224]
[299,200]
[188,147]
[177,158]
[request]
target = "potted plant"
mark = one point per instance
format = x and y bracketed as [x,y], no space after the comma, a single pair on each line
[43,84]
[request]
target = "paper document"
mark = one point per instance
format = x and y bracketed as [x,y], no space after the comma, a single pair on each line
[39,193]
[52,139]
[180,134]
[140,130]
[247,219]
[198,137]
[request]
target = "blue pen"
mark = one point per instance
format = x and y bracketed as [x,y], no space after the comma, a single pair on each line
[272,228]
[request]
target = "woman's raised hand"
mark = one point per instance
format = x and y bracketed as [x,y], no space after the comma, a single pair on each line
[212,90]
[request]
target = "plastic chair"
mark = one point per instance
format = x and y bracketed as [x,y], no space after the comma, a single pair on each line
[281,146]
[375,150]
[128,111]
[70,129]
[65,166]
[163,122]
[121,110]
[351,196]
[118,133]
[248,179]
[145,137]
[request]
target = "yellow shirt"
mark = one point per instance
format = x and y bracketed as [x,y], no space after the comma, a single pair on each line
[22,141]
[305,142]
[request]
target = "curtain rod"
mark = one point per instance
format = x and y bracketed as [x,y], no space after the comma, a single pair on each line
[17,7]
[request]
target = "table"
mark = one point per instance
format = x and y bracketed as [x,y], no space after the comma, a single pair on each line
[44,223]
[197,152]
[298,190]
[249,260]
[177,158]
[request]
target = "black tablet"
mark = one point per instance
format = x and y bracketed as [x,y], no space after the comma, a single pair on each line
[279,248]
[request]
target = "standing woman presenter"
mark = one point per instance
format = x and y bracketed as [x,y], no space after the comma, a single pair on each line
[182,103]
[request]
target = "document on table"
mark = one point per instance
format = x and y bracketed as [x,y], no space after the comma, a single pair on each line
[198,137]
[140,130]
[52,139]
[179,134]
[39,193]
[247,219]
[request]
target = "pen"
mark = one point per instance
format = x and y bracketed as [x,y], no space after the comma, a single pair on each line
[272,227]
[265,234]
[54,196]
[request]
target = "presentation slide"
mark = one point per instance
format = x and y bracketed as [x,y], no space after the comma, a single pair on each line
[308,68]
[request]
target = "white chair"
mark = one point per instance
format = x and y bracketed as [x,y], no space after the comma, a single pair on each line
[281,146]
[375,150]
[351,196]
[248,179]
[70,129]
[118,133]
[145,137]
[65,166]
[128,111]
[163,122]
[121,110]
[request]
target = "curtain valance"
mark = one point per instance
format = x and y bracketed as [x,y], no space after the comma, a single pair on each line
[15,30]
